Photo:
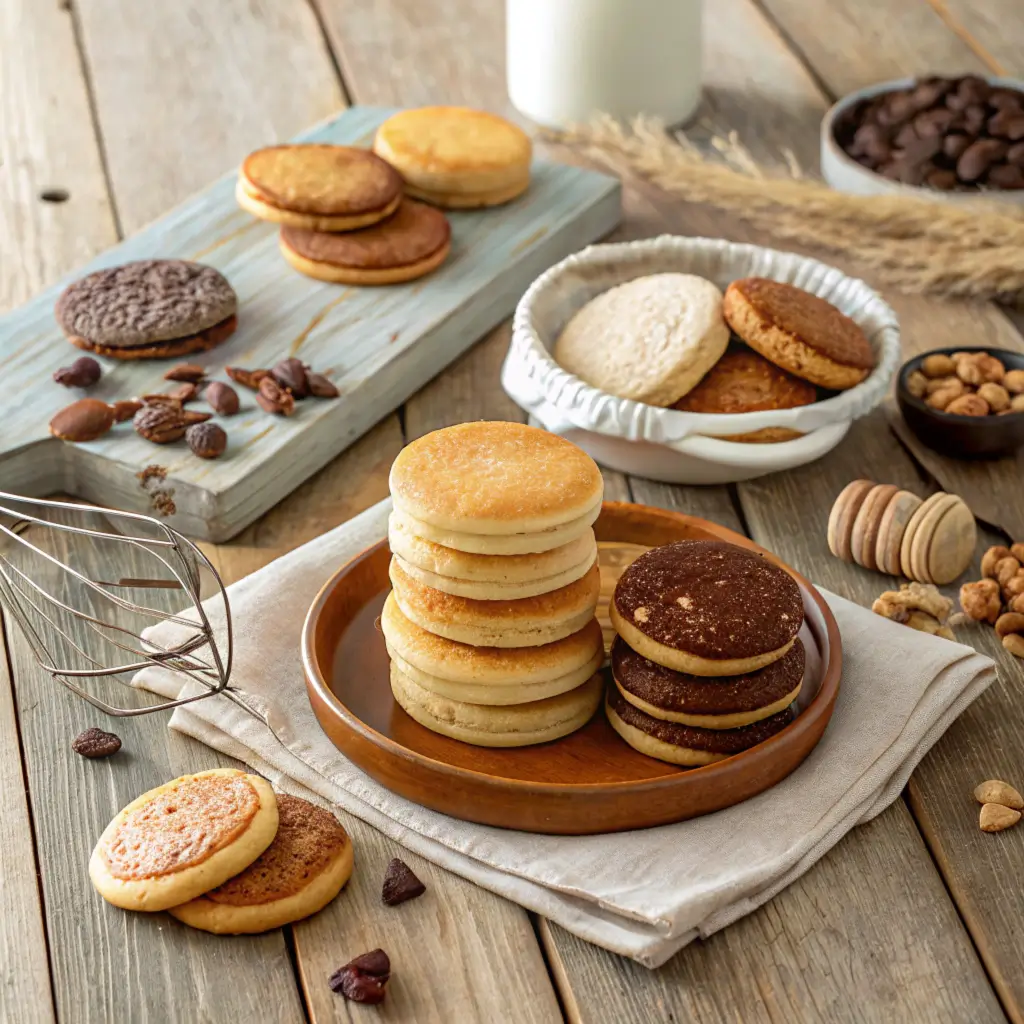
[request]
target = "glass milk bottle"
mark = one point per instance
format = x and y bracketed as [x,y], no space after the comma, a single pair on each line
[570,59]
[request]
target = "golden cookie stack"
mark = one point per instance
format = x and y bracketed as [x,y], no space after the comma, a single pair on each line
[707,662]
[490,624]
[223,853]
[880,526]
[351,216]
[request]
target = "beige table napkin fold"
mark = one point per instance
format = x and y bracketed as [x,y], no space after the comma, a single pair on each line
[644,894]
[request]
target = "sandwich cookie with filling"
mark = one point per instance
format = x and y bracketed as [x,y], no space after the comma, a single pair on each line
[302,870]
[318,187]
[184,838]
[707,607]
[490,675]
[726,702]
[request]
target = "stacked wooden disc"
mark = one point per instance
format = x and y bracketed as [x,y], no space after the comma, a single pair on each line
[882,527]
[707,661]
[490,625]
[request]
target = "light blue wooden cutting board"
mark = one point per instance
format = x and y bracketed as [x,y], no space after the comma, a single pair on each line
[379,345]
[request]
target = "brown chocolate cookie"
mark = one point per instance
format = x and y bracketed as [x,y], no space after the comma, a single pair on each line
[155,306]
[721,742]
[798,331]
[695,695]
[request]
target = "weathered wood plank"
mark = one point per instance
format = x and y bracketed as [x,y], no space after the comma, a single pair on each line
[108,964]
[992,30]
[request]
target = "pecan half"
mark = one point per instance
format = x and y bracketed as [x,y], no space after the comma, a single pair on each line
[187,372]
[184,392]
[126,409]
[273,398]
[160,423]
[247,378]
[96,743]
[320,386]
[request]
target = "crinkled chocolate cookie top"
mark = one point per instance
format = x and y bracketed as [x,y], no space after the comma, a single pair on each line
[144,302]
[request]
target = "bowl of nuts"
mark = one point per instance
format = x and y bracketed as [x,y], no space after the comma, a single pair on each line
[965,402]
[954,138]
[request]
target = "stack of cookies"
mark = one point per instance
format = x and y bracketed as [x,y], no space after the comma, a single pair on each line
[707,662]
[343,215]
[882,527]
[490,624]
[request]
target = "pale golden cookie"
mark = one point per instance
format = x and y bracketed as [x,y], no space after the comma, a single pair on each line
[470,201]
[455,154]
[302,870]
[921,522]
[952,543]
[517,725]
[841,518]
[864,535]
[184,838]
[893,524]
[318,187]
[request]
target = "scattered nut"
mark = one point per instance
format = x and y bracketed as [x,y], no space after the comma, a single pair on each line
[159,398]
[84,420]
[192,417]
[1013,381]
[223,398]
[160,423]
[400,884]
[291,374]
[95,743]
[320,386]
[363,979]
[184,392]
[207,440]
[901,606]
[273,398]
[1009,622]
[1006,569]
[187,372]
[995,791]
[968,405]
[991,557]
[980,600]
[1014,643]
[247,378]
[996,817]
[938,365]
[996,395]
[82,373]
[126,409]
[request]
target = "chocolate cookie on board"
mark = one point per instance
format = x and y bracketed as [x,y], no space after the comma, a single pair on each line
[707,607]
[798,331]
[150,309]
[727,702]
[686,745]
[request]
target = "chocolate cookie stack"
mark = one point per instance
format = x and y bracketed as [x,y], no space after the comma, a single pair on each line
[707,661]
[490,625]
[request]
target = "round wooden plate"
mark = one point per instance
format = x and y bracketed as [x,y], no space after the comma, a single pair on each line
[588,782]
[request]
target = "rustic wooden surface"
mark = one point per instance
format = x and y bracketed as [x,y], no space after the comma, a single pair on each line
[915,916]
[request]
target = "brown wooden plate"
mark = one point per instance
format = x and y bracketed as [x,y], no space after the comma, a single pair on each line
[588,782]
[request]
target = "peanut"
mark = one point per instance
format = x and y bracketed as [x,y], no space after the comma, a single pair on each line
[995,817]
[995,791]
[1009,622]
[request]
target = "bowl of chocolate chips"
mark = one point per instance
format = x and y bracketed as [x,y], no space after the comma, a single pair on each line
[955,138]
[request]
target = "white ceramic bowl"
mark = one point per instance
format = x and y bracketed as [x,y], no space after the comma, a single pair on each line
[843,173]
[666,444]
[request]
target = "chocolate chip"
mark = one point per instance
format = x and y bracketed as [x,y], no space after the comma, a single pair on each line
[978,157]
[1005,99]
[82,373]
[1005,176]
[320,386]
[187,372]
[974,119]
[207,440]
[954,145]
[96,743]
[933,122]
[223,398]
[363,979]
[941,179]
[974,89]
[291,374]
[1015,154]
[906,136]
[400,884]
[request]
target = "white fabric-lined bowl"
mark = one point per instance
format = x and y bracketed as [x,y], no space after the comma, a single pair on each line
[667,444]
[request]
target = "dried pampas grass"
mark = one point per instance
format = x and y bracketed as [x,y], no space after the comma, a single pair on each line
[916,245]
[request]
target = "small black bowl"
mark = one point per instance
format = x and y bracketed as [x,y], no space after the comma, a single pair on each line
[961,436]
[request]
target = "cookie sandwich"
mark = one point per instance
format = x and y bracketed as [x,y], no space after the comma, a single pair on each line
[490,624]
[150,309]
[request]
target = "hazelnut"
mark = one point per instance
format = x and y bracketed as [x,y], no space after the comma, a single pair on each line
[1009,622]
[945,383]
[1014,643]
[82,373]
[969,372]
[322,387]
[1013,381]
[980,601]
[941,399]
[207,440]
[1006,569]
[937,366]
[968,405]
[991,557]
[996,395]
[223,398]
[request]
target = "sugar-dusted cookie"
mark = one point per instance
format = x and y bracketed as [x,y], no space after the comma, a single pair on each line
[798,331]
[650,339]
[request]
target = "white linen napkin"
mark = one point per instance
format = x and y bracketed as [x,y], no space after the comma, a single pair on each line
[644,894]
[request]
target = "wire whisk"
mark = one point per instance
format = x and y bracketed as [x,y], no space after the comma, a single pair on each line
[69,616]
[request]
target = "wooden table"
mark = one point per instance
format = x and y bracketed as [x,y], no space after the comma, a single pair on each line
[120,109]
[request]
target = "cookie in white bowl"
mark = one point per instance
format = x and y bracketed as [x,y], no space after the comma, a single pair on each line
[650,339]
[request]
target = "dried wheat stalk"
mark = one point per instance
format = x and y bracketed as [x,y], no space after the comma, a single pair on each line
[916,245]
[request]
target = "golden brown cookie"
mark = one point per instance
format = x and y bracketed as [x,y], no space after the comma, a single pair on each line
[742,381]
[951,546]
[413,242]
[318,187]
[842,517]
[302,870]
[893,524]
[798,331]
[864,535]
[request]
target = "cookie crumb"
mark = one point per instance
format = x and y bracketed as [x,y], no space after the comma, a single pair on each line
[154,472]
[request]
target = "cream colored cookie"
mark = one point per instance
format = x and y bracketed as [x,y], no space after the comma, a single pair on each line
[922,522]
[463,565]
[525,622]
[497,667]
[455,151]
[184,838]
[494,544]
[952,543]
[517,725]
[650,339]
[497,478]
[302,870]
